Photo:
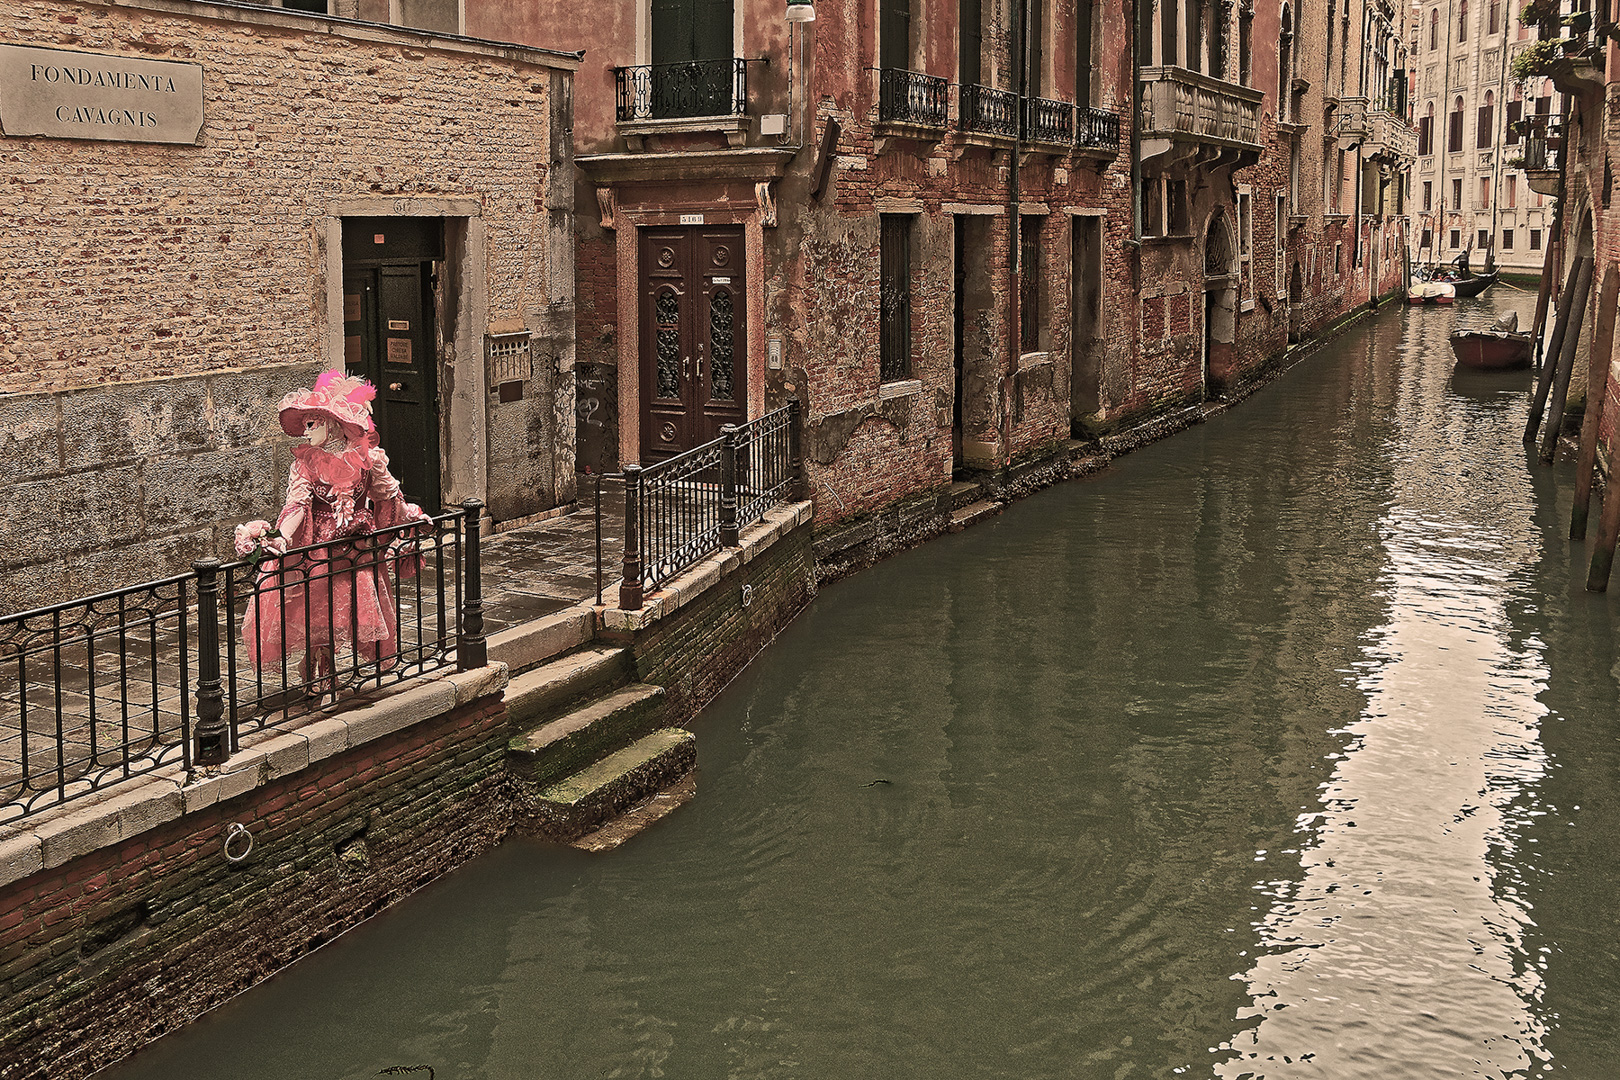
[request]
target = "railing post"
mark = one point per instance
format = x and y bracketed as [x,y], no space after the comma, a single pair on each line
[472,651]
[211,737]
[799,488]
[630,587]
[728,486]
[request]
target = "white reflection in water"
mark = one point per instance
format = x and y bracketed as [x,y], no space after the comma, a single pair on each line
[1398,953]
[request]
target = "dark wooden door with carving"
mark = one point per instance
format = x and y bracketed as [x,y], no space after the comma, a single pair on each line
[693,337]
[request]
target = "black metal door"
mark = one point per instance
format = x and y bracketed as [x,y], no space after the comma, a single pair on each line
[390,339]
[685,30]
[693,337]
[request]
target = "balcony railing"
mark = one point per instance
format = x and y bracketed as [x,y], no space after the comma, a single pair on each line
[1047,121]
[985,111]
[1096,129]
[674,91]
[1543,143]
[910,97]
[1186,106]
[1391,136]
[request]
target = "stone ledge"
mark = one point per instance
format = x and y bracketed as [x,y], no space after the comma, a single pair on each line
[693,583]
[77,828]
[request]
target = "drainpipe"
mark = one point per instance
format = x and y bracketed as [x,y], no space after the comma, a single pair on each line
[1136,124]
[1020,37]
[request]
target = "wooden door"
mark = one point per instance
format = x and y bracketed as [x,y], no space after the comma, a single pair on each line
[693,337]
[390,339]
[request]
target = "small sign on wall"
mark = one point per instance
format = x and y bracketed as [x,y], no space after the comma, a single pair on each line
[60,94]
[509,358]
[399,350]
[690,219]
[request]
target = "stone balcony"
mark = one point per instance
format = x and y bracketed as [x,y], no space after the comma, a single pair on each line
[1191,112]
[1382,135]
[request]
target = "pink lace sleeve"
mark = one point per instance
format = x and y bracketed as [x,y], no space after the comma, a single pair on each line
[384,488]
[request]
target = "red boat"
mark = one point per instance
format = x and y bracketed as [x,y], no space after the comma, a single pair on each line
[1494,348]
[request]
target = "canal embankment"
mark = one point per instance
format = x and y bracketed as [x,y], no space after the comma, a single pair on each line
[127,916]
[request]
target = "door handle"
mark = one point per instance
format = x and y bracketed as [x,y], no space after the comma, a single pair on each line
[686,367]
[396,386]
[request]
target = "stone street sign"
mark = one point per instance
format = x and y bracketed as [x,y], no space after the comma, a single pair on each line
[81,95]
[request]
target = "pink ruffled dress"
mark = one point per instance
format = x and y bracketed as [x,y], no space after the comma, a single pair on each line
[335,598]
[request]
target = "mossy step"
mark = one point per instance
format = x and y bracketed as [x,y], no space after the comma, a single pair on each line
[969,515]
[963,492]
[618,783]
[569,743]
[544,692]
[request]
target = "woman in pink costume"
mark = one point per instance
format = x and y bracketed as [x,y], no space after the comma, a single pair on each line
[336,597]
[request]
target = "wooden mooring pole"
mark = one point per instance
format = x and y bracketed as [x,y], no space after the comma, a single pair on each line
[1597,384]
[1566,361]
[1549,275]
[1550,361]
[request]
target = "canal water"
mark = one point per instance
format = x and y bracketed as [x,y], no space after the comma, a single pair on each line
[1286,748]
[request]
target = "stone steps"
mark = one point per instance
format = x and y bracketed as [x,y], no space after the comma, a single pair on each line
[963,493]
[543,692]
[545,754]
[631,779]
[973,514]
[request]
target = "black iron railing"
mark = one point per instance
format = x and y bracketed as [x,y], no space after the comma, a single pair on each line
[685,507]
[1543,141]
[112,686]
[689,89]
[910,97]
[1096,128]
[1048,121]
[985,111]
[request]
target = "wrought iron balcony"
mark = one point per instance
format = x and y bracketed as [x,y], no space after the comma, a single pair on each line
[984,111]
[1047,121]
[910,97]
[1096,129]
[692,88]
[1185,106]
[1543,149]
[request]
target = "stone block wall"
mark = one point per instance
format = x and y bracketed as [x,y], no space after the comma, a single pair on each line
[132,264]
[116,485]
[104,952]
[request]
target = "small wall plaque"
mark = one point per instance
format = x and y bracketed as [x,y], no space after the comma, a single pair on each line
[351,307]
[690,219]
[399,324]
[509,358]
[399,350]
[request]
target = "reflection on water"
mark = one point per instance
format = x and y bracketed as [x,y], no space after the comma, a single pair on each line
[1398,952]
[1286,748]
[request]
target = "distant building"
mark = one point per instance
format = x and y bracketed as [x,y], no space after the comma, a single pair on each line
[1476,124]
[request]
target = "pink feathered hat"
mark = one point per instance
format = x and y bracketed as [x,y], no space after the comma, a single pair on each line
[337,397]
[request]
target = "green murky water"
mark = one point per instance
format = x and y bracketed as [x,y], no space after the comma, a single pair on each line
[1287,748]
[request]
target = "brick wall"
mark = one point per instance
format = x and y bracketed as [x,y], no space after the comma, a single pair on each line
[102,954]
[694,652]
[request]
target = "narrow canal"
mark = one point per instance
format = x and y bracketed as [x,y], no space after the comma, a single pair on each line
[1287,748]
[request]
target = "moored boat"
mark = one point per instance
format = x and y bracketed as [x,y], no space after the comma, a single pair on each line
[1497,347]
[1475,284]
[1430,292]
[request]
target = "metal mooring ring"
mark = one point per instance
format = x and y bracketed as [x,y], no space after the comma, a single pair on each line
[747,595]
[238,830]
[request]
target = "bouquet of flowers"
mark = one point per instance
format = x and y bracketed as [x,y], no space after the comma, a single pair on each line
[258,541]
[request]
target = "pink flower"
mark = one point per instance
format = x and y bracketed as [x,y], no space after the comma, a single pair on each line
[250,535]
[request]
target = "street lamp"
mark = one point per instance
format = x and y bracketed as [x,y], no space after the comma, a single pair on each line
[801,11]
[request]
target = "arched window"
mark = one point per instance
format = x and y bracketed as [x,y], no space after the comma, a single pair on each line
[1515,113]
[1454,136]
[1462,20]
[1485,136]
[1493,17]
[1434,29]
[1426,133]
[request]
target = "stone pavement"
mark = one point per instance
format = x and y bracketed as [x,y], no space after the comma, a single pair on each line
[534,570]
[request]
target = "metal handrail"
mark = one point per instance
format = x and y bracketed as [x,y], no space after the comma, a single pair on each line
[681,509]
[100,689]
[910,97]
